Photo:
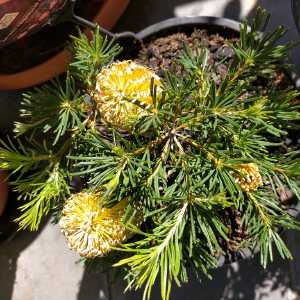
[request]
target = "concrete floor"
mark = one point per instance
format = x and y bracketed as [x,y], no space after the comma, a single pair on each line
[39,266]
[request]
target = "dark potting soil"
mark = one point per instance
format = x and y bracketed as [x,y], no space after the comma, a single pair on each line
[162,53]
[44,44]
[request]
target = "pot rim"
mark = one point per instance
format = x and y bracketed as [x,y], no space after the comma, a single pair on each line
[189,21]
[224,23]
[107,16]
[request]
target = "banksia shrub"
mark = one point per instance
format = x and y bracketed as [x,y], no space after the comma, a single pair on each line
[170,172]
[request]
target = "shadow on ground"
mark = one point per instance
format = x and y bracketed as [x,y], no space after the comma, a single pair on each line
[9,254]
[245,280]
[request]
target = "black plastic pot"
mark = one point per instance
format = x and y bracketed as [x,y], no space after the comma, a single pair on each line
[226,28]
[223,26]
[296,13]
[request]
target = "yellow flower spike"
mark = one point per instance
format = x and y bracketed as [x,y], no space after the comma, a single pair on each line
[119,86]
[250,178]
[91,229]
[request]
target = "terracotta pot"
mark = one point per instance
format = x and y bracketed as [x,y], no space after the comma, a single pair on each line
[3,192]
[107,16]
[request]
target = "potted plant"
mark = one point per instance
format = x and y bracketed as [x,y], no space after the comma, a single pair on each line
[35,58]
[166,162]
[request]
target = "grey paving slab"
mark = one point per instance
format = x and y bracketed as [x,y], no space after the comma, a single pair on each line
[40,267]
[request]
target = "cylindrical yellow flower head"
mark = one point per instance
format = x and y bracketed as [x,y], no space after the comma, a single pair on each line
[91,229]
[249,178]
[122,92]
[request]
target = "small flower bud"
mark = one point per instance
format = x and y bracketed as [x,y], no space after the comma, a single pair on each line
[249,177]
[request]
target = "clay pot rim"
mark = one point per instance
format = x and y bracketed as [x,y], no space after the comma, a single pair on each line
[107,16]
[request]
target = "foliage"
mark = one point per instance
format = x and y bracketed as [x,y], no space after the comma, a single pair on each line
[89,56]
[182,162]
